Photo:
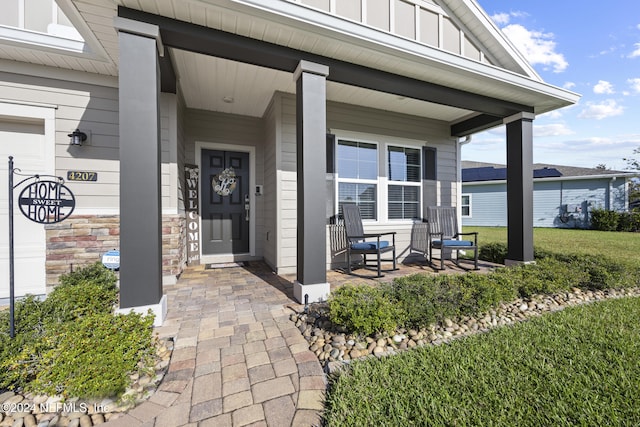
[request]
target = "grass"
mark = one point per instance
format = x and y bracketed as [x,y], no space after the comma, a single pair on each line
[580,366]
[575,367]
[625,246]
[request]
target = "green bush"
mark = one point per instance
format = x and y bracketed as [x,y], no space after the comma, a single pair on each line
[94,356]
[547,275]
[629,221]
[604,220]
[493,252]
[71,342]
[420,300]
[362,309]
[95,273]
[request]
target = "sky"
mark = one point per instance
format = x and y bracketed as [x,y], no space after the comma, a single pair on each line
[587,47]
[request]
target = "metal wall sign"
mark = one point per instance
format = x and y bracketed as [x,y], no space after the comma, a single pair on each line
[191,206]
[111,259]
[45,201]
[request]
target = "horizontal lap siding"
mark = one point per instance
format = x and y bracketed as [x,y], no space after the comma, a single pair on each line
[488,205]
[90,108]
[546,204]
[364,120]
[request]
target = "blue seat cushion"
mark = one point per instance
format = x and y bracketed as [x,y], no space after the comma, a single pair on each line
[369,246]
[451,243]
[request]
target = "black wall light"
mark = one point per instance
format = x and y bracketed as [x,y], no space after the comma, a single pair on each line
[77,137]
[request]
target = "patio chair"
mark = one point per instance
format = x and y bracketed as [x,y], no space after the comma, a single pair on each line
[443,235]
[357,243]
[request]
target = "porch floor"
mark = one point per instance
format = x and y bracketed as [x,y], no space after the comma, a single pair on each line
[238,359]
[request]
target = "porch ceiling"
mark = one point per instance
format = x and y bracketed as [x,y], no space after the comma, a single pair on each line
[210,83]
[205,81]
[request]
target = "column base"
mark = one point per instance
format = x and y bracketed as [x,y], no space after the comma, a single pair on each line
[512,262]
[317,292]
[159,310]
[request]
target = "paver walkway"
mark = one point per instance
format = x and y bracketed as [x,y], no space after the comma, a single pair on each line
[238,360]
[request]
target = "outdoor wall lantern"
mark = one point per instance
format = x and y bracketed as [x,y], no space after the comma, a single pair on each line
[77,137]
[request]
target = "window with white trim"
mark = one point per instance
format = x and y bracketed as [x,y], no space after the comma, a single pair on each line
[403,200]
[466,205]
[383,180]
[358,176]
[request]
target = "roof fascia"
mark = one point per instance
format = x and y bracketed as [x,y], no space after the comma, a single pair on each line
[496,34]
[563,178]
[294,15]
[93,48]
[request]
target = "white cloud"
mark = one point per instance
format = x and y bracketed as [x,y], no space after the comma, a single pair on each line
[501,18]
[635,84]
[537,47]
[603,87]
[599,111]
[569,85]
[557,129]
[636,52]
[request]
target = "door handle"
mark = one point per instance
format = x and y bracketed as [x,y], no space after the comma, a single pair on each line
[247,207]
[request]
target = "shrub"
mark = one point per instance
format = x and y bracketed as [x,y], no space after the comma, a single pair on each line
[362,309]
[604,220]
[94,356]
[493,252]
[629,221]
[71,343]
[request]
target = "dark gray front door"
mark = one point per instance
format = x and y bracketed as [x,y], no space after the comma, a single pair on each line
[225,191]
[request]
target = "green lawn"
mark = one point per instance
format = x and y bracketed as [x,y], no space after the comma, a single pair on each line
[579,366]
[620,245]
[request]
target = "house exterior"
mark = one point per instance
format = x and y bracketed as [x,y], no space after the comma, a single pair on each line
[231,130]
[562,195]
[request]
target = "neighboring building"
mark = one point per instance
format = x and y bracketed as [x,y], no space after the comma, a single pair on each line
[562,195]
[208,123]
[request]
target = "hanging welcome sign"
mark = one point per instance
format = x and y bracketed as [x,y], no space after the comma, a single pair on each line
[225,182]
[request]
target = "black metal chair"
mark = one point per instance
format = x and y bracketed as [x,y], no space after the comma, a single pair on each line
[443,235]
[357,243]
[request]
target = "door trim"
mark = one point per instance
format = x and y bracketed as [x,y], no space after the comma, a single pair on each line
[205,145]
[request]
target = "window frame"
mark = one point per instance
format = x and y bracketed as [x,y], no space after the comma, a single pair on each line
[382,181]
[390,182]
[463,205]
[339,180]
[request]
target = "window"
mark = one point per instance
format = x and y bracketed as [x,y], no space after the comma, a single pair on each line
[466,205]
[404,182]
[358,176]
[383,180]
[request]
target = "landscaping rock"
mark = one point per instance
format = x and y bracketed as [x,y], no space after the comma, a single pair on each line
[333,346]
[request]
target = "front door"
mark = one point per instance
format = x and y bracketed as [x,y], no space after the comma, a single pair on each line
[225,202]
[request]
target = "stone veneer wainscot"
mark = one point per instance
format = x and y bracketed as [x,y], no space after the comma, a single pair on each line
[81,240]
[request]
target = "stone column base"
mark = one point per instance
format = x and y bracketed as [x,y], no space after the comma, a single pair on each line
[317,292]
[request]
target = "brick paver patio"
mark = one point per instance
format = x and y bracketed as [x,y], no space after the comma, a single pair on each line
[238,360]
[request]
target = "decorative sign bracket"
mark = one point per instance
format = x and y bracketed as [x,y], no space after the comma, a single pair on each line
[44,201]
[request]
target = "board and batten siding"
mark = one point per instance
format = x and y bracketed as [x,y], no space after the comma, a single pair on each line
[422,21]
[362,120]
[230,129]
